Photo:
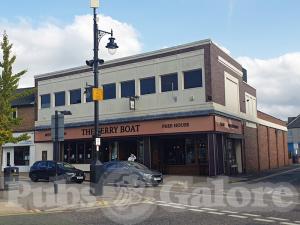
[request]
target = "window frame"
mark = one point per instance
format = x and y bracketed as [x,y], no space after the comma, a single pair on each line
[123,82]
[115,90]
[161,82]
[189,71]
[55,97]
[41,98]
[147,78]
[73,90]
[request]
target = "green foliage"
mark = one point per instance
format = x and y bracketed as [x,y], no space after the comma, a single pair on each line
[8,86]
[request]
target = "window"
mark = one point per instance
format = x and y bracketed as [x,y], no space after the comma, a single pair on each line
[109,91]
[44,155]
[77,152]
[89,94]
[60,99]
[75,96]
[45,101]
[169,82]
[147,85]
[21,156]
[192,79]
[127,89]
[15,113]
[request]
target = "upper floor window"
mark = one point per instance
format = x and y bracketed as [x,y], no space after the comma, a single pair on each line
[192,79]
[127,88]
[169,82]
[45,101]
[109,91]
[75,96]
[89,94]
[147,85]
[60,99]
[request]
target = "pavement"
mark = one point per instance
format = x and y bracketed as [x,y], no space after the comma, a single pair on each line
[269,197]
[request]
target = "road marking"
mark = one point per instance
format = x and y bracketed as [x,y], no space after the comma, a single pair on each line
[171,203]
[161,202]
[238,216]
[276,218]
[209,209]
[252,215]
[191,206]
[216,213]
[177,207]
[226,211]
[264,220]
[196,210]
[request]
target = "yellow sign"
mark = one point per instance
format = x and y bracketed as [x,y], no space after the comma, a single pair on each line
[97,94]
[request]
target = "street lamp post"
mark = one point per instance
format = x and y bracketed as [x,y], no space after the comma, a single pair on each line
[112,47]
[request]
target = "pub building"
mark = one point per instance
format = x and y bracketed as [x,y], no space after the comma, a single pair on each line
[194,114]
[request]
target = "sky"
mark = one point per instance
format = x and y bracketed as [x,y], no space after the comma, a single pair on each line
[263,36]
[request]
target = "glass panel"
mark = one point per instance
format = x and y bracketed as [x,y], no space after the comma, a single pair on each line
[21,156]
[169,82]
[147,85]
[75,96]
[45,101]
[66,152]
[88,152]
[88,94]
[193,79]
[109,91]
[127,89]
[80,152]
[203,156]
[73,153]
[60,98]
[190,151]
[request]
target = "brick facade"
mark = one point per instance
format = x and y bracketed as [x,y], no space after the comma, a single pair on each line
[251,153]
[27,116]
[264,161]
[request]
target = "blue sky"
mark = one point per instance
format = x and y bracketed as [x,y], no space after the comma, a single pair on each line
[254,28]
[263,35]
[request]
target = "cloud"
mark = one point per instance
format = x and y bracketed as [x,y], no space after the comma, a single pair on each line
[277,81]
[49,47]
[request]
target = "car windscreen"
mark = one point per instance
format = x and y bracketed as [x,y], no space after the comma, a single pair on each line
[136,165]
[65,166]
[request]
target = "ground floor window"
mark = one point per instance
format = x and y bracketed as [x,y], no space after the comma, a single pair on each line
[80,152]
[21,155]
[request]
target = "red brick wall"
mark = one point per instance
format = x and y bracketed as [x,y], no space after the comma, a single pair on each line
[280,148]
[251,153]
[27,115]
[273,148]
[263,148]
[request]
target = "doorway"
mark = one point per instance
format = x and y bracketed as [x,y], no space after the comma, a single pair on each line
[8,159]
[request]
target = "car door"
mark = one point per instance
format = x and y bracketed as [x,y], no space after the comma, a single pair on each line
[51,169]
[42,170]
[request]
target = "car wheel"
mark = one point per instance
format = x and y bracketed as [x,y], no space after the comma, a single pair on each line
[79,181]
[34,178]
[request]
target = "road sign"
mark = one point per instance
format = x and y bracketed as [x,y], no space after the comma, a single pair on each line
[97,94]
[61,127]
[98,141]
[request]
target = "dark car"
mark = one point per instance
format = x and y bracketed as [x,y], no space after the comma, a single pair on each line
[132,173]
[46,170]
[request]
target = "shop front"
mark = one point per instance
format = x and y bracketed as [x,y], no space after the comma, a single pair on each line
[187,146]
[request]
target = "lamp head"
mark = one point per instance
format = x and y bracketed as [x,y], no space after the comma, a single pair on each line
[95,3]
[112,45]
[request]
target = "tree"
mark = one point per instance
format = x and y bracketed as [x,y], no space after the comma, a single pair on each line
[8,85]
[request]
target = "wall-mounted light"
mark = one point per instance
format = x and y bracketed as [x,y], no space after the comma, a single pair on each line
[132,100]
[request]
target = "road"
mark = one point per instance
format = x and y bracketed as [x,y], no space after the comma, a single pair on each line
[270,200]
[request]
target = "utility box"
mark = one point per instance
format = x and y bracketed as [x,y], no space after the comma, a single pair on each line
[96,178]
[11,178]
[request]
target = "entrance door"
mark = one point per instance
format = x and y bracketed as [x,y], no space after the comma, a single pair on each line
[234,157]
[8,159]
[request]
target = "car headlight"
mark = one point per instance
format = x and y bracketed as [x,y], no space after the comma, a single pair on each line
[71,174]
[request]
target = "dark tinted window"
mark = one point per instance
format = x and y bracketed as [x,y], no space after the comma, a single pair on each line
[51,165]
[128,89]
[109,91]
[21,155]
[75,96]
[42,164]
[60,99]
[192,79]
[147,85]
[45,101]
[88,94]
[169,82]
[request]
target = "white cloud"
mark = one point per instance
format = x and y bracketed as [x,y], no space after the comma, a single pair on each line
[277,82]
[49,47]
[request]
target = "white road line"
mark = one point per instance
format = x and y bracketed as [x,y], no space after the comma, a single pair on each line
[264,220]
[226,211]
[177,207]
[191,206]
[196,210]
[286,223]
[161,202]
[252,215]
[171,203]
[238,216]
[209,209]
[216,213]
[298,221]
[276,218]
